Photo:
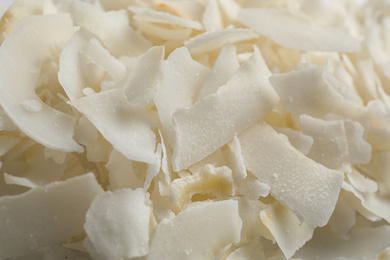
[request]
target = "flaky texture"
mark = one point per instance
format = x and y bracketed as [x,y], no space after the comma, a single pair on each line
[195,129]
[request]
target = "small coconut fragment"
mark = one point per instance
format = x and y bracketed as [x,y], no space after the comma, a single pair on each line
[127,128]
[210,183]
[210,41]
[153,168]
[179,70]
[299,140]
[308,188]
[236,160]
[214,120]
[117,224]
[97,54]
[55,213]
[252,188]
[121,173]
[295,32]
[363,243]
[163,17]
[225,66]
[251,250]
[361,182]
[197,232]
[48,126]
[315,92]
[116,34]
[289,232]
[212,18]
[145,77]
[15,180]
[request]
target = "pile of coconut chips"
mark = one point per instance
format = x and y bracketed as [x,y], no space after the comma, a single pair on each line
[195,129]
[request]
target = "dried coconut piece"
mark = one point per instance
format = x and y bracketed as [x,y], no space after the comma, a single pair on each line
[363,243]
[15,180]
[252,250]
[145,77]
[45,215]
[306,187]
[48,126]
[289,232]
[214,120]
[361,182]
[70,73]
[149,15]
[127,128]
[299,140]
[252,227]
[121,173]
[314,91]
[163,32]
[182,79]
[236,160]
[217,159]
[111,28]
[189,9]
[197,232]
[97,54]
[154,168]
[117,224]
[294,32]
[252,188]
[212,182]
[225,66]
[212,18]
[210,41]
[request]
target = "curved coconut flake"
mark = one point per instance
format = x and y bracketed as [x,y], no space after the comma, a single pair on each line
[299,140]
[182,79]
[45,215]
[252,188]
[47,126]
[5,122]
[212,18]
[210,41]
[361,182]
[121,173]
[117,224]
[97,54]
[164,33]
[235,159]
[252,250]
[15,180]
[154,168]
[110,28]
[362,243]
[214,182]
[197,232]
[149,15]
[145,77]
[330,144]
[306,187]
[311,91]
[230,8]
[127,128]
[214,120]
[287,229]
[225,66]
[297,33]
[70,73]
[186,8]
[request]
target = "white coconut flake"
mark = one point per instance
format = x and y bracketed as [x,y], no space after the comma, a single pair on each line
[48,126]
[126,128]
[55,213]
[145,77]
[289,232]
[197,232]
[297,33]
[15,180]
[210,41]
[32,105]
[308,188]
[117,224]
[212,18]
[165,18]
[236,160]
[214,120]
[182,79]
